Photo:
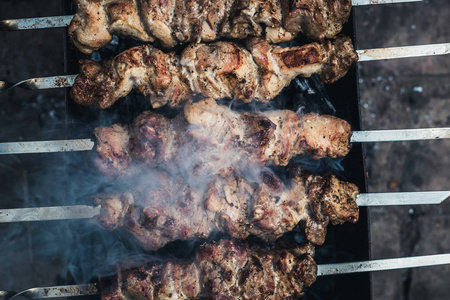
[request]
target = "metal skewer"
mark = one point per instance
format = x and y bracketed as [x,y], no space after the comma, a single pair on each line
[384,264]
[64,21]
[36,23]
[364,55]
[48,213]
[357,137]
[403,52]
[42,83]
[371,2]
[322,270]
[46,146]
[53,292]
[87,212]
[371,136]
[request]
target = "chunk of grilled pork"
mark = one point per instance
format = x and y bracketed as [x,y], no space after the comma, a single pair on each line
[176,22]
[217,70]
[209,138]
[166,208]
[228,269]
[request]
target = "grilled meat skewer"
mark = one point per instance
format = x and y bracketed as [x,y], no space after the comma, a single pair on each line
[217,70]
[228,269]
[54,82]
[208,138]
[184,21]
[322,270]
[166,208]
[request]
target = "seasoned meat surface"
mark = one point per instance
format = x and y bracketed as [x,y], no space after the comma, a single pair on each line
[163,208]
[174,22]
[111,150]
[279,65]
[89,27]
[232,270]
[208,138]
[324,136]
[336,203]
[154,280]
[228,269]
[328,16]
[221,70]
[217,70]
[144,68]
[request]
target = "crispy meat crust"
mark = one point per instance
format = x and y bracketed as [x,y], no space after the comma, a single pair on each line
[154,280]
[217,70]
[143,68]
[174,22]
[318,19]
[168,208]
[215,138]
[228,269]
[330,200]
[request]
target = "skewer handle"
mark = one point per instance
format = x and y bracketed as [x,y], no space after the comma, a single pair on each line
[46,146]
[36,23]
[53,292]
[48,213]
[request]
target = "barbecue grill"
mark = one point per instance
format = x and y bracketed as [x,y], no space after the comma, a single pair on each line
[346,243]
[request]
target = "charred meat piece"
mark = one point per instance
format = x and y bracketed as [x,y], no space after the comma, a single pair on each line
[228,269]
[217,70]
[174,22]
[215,138]
[166,208]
